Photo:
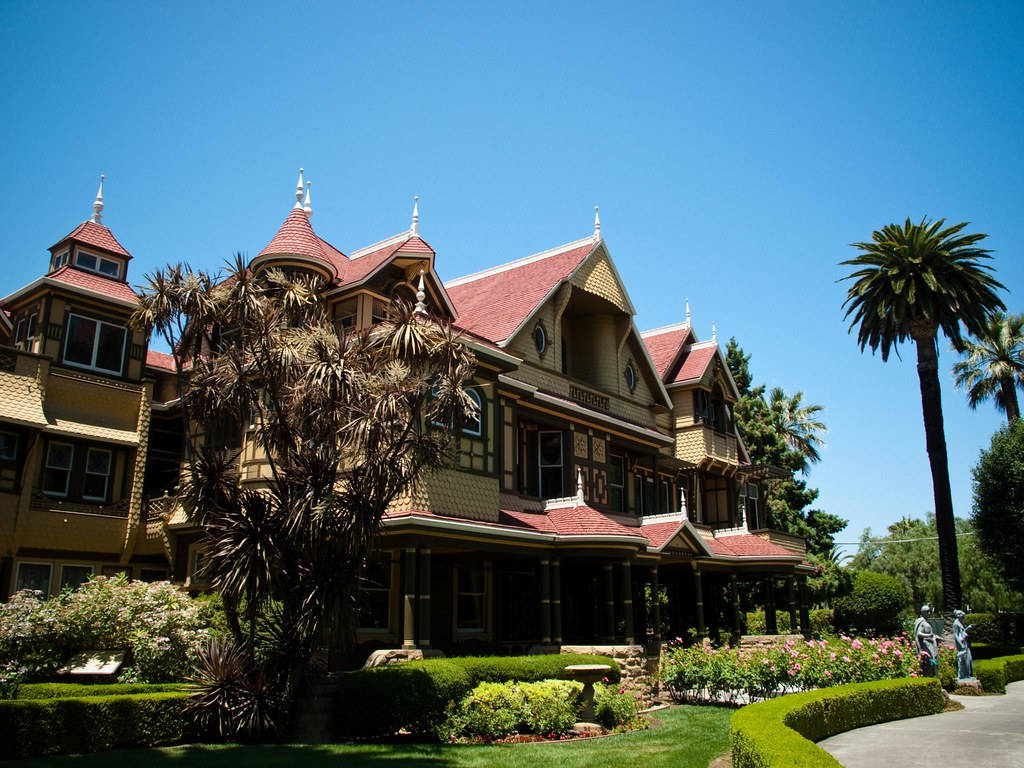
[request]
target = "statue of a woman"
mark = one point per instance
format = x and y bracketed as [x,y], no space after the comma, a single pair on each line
[964,659]
[927,643]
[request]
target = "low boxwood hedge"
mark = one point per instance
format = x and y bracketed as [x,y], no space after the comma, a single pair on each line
[77,690]
[782,731]
[416,695]
[995,673]
[54,726]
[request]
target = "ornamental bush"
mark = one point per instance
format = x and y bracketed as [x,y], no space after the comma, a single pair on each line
[821,622]
[874,605]
[158,624]
[493,711]
[705,673]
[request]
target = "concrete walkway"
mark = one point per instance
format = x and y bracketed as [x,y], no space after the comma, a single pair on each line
[989,731]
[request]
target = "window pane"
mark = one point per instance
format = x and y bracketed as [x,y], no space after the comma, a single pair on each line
[34,576]
[551,449]
[472,425]
[98,462]
[94,487]
[471,580]
[32,323]
[108,267]
[111,348]
[85,260]
[59,456]
[74,575]
[81,334]
[8,446]
[471,612]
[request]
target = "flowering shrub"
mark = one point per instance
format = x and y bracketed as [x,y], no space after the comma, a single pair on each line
[761,672]
[614,708]
[11,675]
[159,625]
[496,710]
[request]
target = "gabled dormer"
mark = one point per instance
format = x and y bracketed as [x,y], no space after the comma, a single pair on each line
[91,247]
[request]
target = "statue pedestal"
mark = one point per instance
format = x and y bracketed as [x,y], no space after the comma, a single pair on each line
[970,687]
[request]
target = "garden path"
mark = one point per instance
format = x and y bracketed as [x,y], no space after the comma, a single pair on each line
[988,731]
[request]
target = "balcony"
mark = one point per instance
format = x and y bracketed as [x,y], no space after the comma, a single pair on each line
[700,444]
[42,502]
[787,541]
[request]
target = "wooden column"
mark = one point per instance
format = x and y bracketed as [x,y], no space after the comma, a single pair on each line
[734,598]
[791,602]
[770,623]
[656,606]
[805,616]
[698,590]
[545,602]
[423,596]
[409,599]
[556,602]
[609,603]
[627,601]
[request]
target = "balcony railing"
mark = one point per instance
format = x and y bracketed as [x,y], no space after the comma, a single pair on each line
[41,501]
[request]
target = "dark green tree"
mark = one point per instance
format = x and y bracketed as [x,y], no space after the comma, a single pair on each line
[910,282]
[999,500]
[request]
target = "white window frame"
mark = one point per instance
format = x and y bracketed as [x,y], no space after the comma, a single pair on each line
[68,468]
[14,456]
[60,260]
[482,596]
[95,344]
[92,571]
[106,478]
[99,260]
[476,398]
[19,330]
[49,580]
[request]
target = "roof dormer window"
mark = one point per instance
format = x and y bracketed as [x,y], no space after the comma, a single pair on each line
[98,264]
[59,260]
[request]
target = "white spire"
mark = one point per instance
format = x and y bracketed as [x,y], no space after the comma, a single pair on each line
[714,332]
[306,207]
[298,192]
[415,228]
[97,204]
[682,503]
[687,310]
[421,295]
[579,487]
[597,225]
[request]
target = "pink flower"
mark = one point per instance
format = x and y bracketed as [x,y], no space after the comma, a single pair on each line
[827,673]
[846,659]
[856,645]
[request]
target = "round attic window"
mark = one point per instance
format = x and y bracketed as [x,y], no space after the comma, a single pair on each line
[540,338]
[630,377]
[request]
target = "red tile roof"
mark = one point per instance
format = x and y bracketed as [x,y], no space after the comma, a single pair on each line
[659,534]
[663,347]
[296,238]
[695,362]
[746,545]
[352,270]
[587,521]
[415,245]
[160,360]
[95,283]
[494,304]
[96,235]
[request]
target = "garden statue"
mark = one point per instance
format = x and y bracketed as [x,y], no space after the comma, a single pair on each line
[964,660]
[927,643]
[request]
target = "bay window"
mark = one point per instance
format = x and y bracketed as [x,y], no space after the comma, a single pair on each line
[95,344]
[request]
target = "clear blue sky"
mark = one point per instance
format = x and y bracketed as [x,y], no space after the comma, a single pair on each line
[734,151]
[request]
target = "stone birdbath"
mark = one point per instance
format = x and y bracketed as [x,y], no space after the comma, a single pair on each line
[588,674]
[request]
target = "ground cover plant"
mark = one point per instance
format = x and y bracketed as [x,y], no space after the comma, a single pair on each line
[687,737]
[158,624]
[705,673]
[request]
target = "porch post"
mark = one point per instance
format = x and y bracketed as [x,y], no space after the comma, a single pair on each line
[698,589]
[627,601]
[423,560]
[791,600]
[734,598]
[409,599]
[556,602]
[656,606]
[805,616]
[609,604]
[545,602]
[770,624]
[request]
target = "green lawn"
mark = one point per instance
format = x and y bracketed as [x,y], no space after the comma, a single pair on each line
[689,737]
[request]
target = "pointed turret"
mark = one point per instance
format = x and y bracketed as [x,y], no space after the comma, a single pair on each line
[295,243]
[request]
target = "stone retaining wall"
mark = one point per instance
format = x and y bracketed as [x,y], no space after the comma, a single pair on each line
[632,659]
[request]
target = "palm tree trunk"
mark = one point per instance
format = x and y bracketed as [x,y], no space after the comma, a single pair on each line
[1009,393]
[935,439]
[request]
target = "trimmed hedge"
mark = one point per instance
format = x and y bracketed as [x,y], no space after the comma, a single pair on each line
[416,695]
[994,674]
[56,726]
[782,731]
[78,690]
[989,651]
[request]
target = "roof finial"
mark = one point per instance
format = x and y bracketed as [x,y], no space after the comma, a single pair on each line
[687,310]
[421,295]
[597,225]
[415,228]
[682,502]
[306,207]
[579,487]
[714,332]
[97,204]
[298,192]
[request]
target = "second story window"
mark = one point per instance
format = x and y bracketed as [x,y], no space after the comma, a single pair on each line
[98,264]
[98,463]
[474,424]
[616,478]
[95,344]
[550,463]
[57,473]
[8,446]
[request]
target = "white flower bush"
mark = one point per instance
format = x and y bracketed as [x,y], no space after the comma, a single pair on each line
[158,625]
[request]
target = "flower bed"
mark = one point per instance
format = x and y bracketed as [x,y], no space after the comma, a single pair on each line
[741,675]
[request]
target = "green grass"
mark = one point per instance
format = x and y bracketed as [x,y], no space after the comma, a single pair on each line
[689,737]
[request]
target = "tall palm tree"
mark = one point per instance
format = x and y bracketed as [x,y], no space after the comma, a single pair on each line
[910,282]
[797,423]
[994,366]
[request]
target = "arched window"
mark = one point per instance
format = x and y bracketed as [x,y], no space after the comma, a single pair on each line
[630,377]
[540,338]
[474,424]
